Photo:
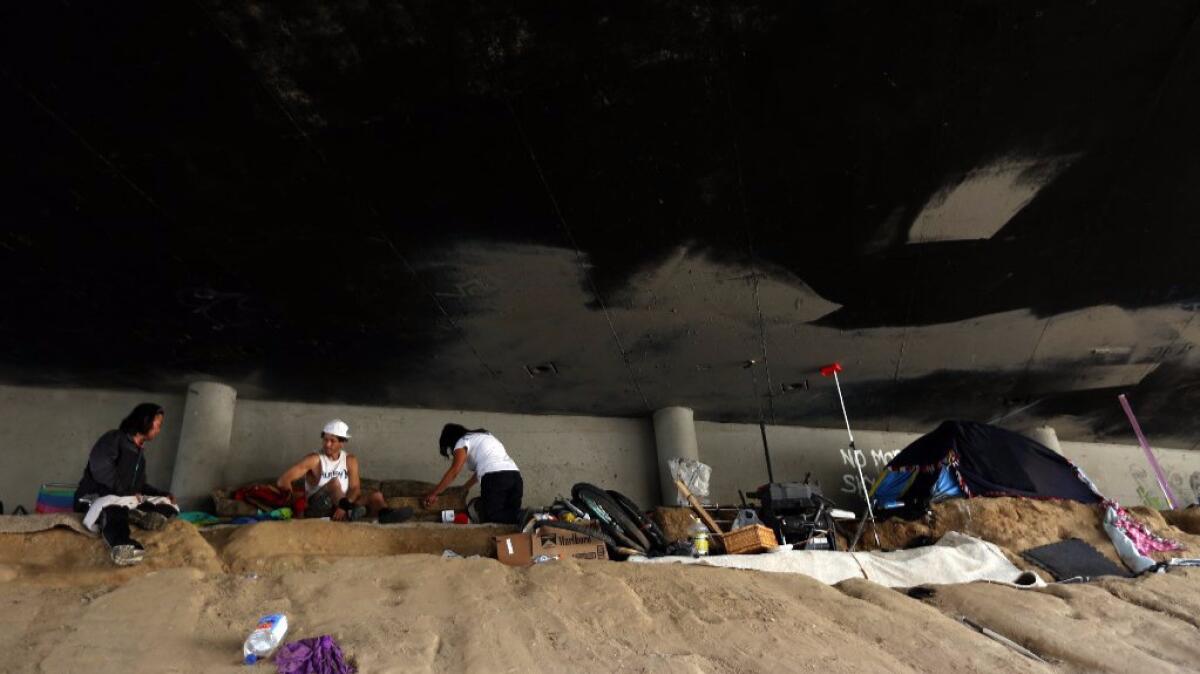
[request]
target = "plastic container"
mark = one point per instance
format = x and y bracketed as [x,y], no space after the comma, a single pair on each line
[265,638]
[699,535]
[745,518]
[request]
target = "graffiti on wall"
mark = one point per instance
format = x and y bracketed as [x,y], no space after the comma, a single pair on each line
[871,461]
[1151,496]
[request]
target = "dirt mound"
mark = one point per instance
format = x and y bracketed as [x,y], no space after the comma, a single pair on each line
[62,556]
[296,544]
[1108,626]
[424,614]
[1017,524]
[414,612]
[1187,519]
[675,523]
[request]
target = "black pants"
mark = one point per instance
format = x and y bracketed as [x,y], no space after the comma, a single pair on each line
[500,496]
[114,521]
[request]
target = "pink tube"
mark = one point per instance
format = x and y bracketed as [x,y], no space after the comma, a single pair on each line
[1158,471]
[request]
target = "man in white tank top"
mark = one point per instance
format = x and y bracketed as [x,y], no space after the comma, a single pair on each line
[331,482]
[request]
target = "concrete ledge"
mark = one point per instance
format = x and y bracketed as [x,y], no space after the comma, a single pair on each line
[296,544]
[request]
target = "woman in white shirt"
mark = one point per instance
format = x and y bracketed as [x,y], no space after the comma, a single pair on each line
[500,484]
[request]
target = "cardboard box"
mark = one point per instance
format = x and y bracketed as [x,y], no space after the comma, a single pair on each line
[522,549]
[515,549]
[564,544]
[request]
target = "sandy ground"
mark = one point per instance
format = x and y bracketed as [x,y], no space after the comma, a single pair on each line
[1019,524]
[188,609]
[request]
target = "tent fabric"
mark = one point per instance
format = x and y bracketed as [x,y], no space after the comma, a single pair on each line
[980,460]
[955,558]
[946,487]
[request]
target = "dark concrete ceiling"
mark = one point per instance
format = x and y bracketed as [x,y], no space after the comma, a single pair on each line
[984,210]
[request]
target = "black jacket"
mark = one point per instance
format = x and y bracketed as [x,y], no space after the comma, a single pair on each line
[115,466]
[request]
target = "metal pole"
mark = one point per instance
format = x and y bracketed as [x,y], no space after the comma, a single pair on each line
[762,426]
[862,481]
[767,452]
[838,384]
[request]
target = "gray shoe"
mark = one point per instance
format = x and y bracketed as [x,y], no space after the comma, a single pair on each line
[147,519]
[357,514]
[127,555]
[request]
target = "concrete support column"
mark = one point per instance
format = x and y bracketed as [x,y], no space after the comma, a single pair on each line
[1046,436]
[675,437]
[203,452]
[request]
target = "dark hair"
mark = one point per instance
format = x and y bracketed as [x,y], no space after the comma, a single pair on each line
[452,433]
[141,419]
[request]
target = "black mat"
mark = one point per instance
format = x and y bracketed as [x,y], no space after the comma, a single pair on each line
[1074,558]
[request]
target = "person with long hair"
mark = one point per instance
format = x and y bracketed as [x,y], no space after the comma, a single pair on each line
[500,484]
[113,490]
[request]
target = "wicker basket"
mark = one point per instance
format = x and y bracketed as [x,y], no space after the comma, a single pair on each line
[754,538]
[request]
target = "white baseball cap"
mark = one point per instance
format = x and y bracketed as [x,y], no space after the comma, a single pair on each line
[337,427]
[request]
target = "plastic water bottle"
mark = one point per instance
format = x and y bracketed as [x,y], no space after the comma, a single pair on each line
[699,534]
[265,638]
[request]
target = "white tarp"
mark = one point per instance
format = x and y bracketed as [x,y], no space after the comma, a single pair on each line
[956,558]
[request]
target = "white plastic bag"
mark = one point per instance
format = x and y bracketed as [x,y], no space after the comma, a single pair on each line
[693,474]
[745,517]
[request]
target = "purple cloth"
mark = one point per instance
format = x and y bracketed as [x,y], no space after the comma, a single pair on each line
[312,656]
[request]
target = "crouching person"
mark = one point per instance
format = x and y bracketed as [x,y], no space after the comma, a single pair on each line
[113,491]
[331,482]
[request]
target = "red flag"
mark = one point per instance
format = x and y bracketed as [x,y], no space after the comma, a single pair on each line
[828,370]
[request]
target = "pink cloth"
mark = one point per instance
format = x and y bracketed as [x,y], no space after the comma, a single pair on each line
[1143,539]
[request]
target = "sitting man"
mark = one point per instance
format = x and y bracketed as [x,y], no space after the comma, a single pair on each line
[113,490]
[331,482]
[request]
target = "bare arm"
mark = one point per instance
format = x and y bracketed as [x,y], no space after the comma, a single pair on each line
[295,473]
[460,459]
[471,482]
[355,485]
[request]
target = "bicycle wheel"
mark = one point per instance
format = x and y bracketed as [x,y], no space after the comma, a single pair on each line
[567,505]
[610,514]
[649,527]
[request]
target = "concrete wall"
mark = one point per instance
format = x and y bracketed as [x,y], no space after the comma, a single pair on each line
[49,432]
[53,430]
[553,452]
[1123,473]
[736,455]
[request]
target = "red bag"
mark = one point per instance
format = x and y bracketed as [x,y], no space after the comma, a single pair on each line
[262,496]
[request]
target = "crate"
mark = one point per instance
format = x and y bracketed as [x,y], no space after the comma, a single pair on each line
[754,538]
